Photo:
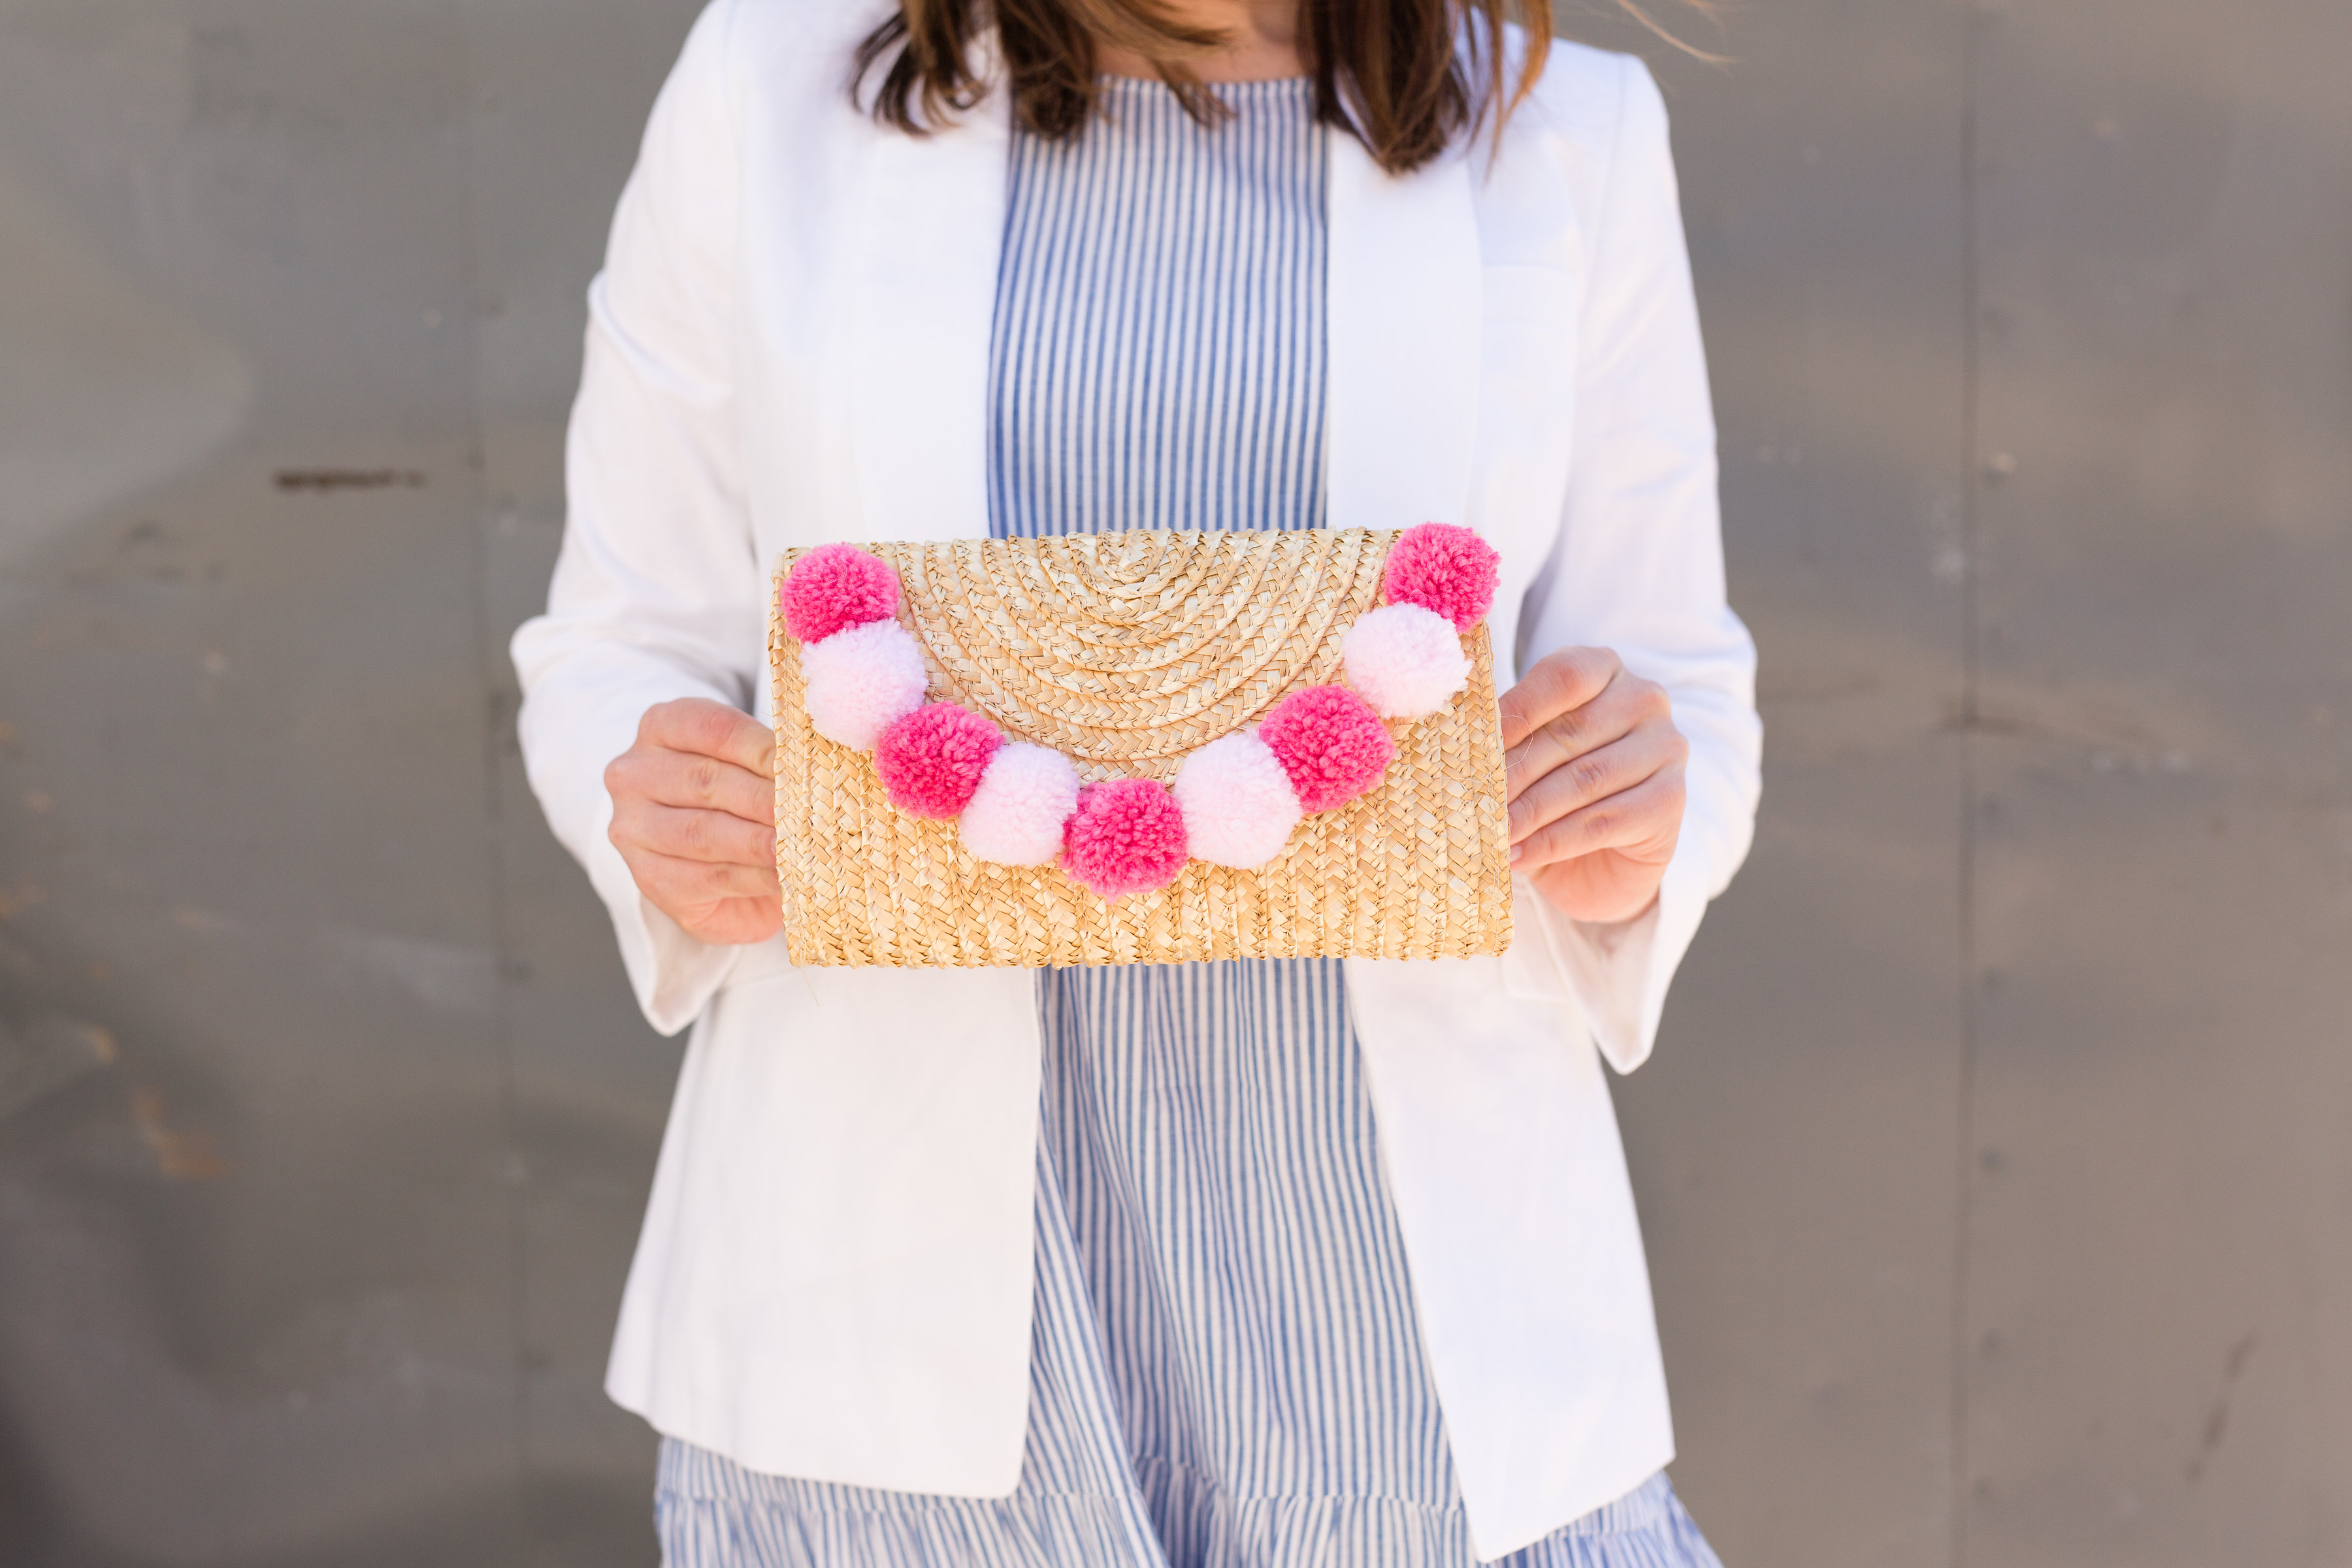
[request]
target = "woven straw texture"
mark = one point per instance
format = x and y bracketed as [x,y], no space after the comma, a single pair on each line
[1126,652]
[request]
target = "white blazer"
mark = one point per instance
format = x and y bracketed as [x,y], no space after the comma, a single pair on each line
[788,344]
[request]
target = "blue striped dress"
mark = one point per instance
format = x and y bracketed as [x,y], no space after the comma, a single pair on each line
[1227,1370]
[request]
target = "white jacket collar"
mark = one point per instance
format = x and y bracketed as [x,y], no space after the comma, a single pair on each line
[1403,321]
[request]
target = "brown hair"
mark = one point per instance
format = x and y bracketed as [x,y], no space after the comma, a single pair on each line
[1403,76]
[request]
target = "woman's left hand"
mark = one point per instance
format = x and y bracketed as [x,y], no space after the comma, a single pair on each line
[1595,768]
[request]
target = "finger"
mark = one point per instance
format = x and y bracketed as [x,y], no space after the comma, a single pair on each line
[1645,820]
[1560,682]
[689,833]
[1594,776]
[1622,707]
[677,884]
[692,779]
[710,729]
[736,923]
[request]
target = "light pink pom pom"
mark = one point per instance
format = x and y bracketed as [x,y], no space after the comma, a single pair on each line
[1406,661]
[1016,816]
[1443,568]
[1330,743]
[1239,808]
[836,587]
[1127,837]
[931,759]
[861,681]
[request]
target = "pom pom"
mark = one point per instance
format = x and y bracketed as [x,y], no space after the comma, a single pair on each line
[861,681]
[1406,661]
[1330,743]
[1016,816]
[836,587]
[1127,837]
[1448,569]
[931,759]
[1239,808]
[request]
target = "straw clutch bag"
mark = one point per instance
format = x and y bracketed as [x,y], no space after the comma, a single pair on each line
[1147,747]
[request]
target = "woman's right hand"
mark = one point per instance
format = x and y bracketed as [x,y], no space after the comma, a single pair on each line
[694,816]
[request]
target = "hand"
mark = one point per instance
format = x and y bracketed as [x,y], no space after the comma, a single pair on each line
[1594,767]
[694,815]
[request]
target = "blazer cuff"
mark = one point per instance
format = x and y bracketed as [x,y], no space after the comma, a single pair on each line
[673,975]
[1616,972]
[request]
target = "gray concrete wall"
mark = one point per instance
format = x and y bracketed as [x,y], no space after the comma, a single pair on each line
[1995,1168]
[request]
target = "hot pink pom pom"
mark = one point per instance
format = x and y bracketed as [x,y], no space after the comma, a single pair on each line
[932,761]
[1443,568]
[1330,743]
[1404,661]
[835,586]
[857,683]
[1239,808]
[1015,817]
[1127,837]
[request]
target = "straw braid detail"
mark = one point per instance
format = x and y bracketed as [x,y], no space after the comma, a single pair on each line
[936,759]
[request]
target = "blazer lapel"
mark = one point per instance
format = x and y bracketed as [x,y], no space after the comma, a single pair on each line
[1404,323]
[1405,340]
[930,229]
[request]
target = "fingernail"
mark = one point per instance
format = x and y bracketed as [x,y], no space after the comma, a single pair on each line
[1514,853]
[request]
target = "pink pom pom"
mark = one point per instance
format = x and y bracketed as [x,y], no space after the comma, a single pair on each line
[835,586]
[1406,661]
[932,761]
[1127,837]
[1016,816]
[857,683]
[1239,808]
[1443,568]
[1330,743]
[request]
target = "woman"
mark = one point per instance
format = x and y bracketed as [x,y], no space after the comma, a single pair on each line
[1267,1263]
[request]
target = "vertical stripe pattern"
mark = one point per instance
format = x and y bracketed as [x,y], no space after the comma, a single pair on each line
[1227,1368]
[1214,1138]
[1157,355]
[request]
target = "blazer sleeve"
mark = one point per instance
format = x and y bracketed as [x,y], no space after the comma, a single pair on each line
[657,592]
[1638,566]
